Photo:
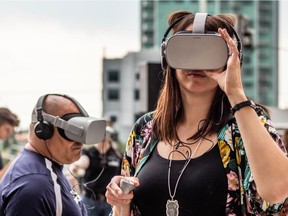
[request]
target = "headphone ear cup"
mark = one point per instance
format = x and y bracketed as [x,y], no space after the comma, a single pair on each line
[44,130]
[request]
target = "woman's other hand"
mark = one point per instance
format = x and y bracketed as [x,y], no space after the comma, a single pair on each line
[116,197]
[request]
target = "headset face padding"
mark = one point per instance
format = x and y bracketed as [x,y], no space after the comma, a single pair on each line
[66,117]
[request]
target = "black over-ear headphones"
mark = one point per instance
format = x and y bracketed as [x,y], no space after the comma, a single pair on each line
[164,42]
[44,130]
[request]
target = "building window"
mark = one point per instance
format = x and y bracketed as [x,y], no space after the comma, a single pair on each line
[113,76]
[247,72]
[136,94]
[247,59]
[248,85]
[137,76]
[113,118]
[113,94]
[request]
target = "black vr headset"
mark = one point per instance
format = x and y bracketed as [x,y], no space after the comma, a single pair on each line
[196,50]
[77,127]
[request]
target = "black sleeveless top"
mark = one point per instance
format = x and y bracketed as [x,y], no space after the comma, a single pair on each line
[202,189]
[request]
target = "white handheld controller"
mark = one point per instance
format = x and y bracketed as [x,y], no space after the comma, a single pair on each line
[126,185]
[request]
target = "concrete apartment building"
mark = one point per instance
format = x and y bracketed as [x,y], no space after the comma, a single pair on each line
[122,89]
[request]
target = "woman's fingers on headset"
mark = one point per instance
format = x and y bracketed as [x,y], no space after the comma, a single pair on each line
[232,45]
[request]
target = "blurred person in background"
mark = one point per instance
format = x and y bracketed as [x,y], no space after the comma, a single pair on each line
[97,165]
[8,121]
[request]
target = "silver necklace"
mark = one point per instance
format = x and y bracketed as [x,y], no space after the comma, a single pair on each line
[172,205]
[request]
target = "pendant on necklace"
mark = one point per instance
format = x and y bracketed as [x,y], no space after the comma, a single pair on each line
[172,208]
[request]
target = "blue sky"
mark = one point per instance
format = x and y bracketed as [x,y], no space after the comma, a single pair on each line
[57,47]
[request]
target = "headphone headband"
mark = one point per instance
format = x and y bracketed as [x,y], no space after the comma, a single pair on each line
[171,26]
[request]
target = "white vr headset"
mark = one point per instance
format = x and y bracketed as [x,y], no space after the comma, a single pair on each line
[77,127]
[86,130]
[197,49]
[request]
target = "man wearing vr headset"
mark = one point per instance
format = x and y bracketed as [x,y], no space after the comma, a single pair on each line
[206,149]
[34,183]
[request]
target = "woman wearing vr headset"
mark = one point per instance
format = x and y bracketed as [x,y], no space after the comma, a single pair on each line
[206,149]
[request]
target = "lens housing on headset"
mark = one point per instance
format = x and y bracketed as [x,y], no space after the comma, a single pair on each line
[197,49]
[190,51]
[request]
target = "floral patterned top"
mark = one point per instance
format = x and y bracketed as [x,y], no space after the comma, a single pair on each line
[241,192]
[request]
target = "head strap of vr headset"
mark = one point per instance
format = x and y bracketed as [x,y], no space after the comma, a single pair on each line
[60,123]
[199,23]
[199,27]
